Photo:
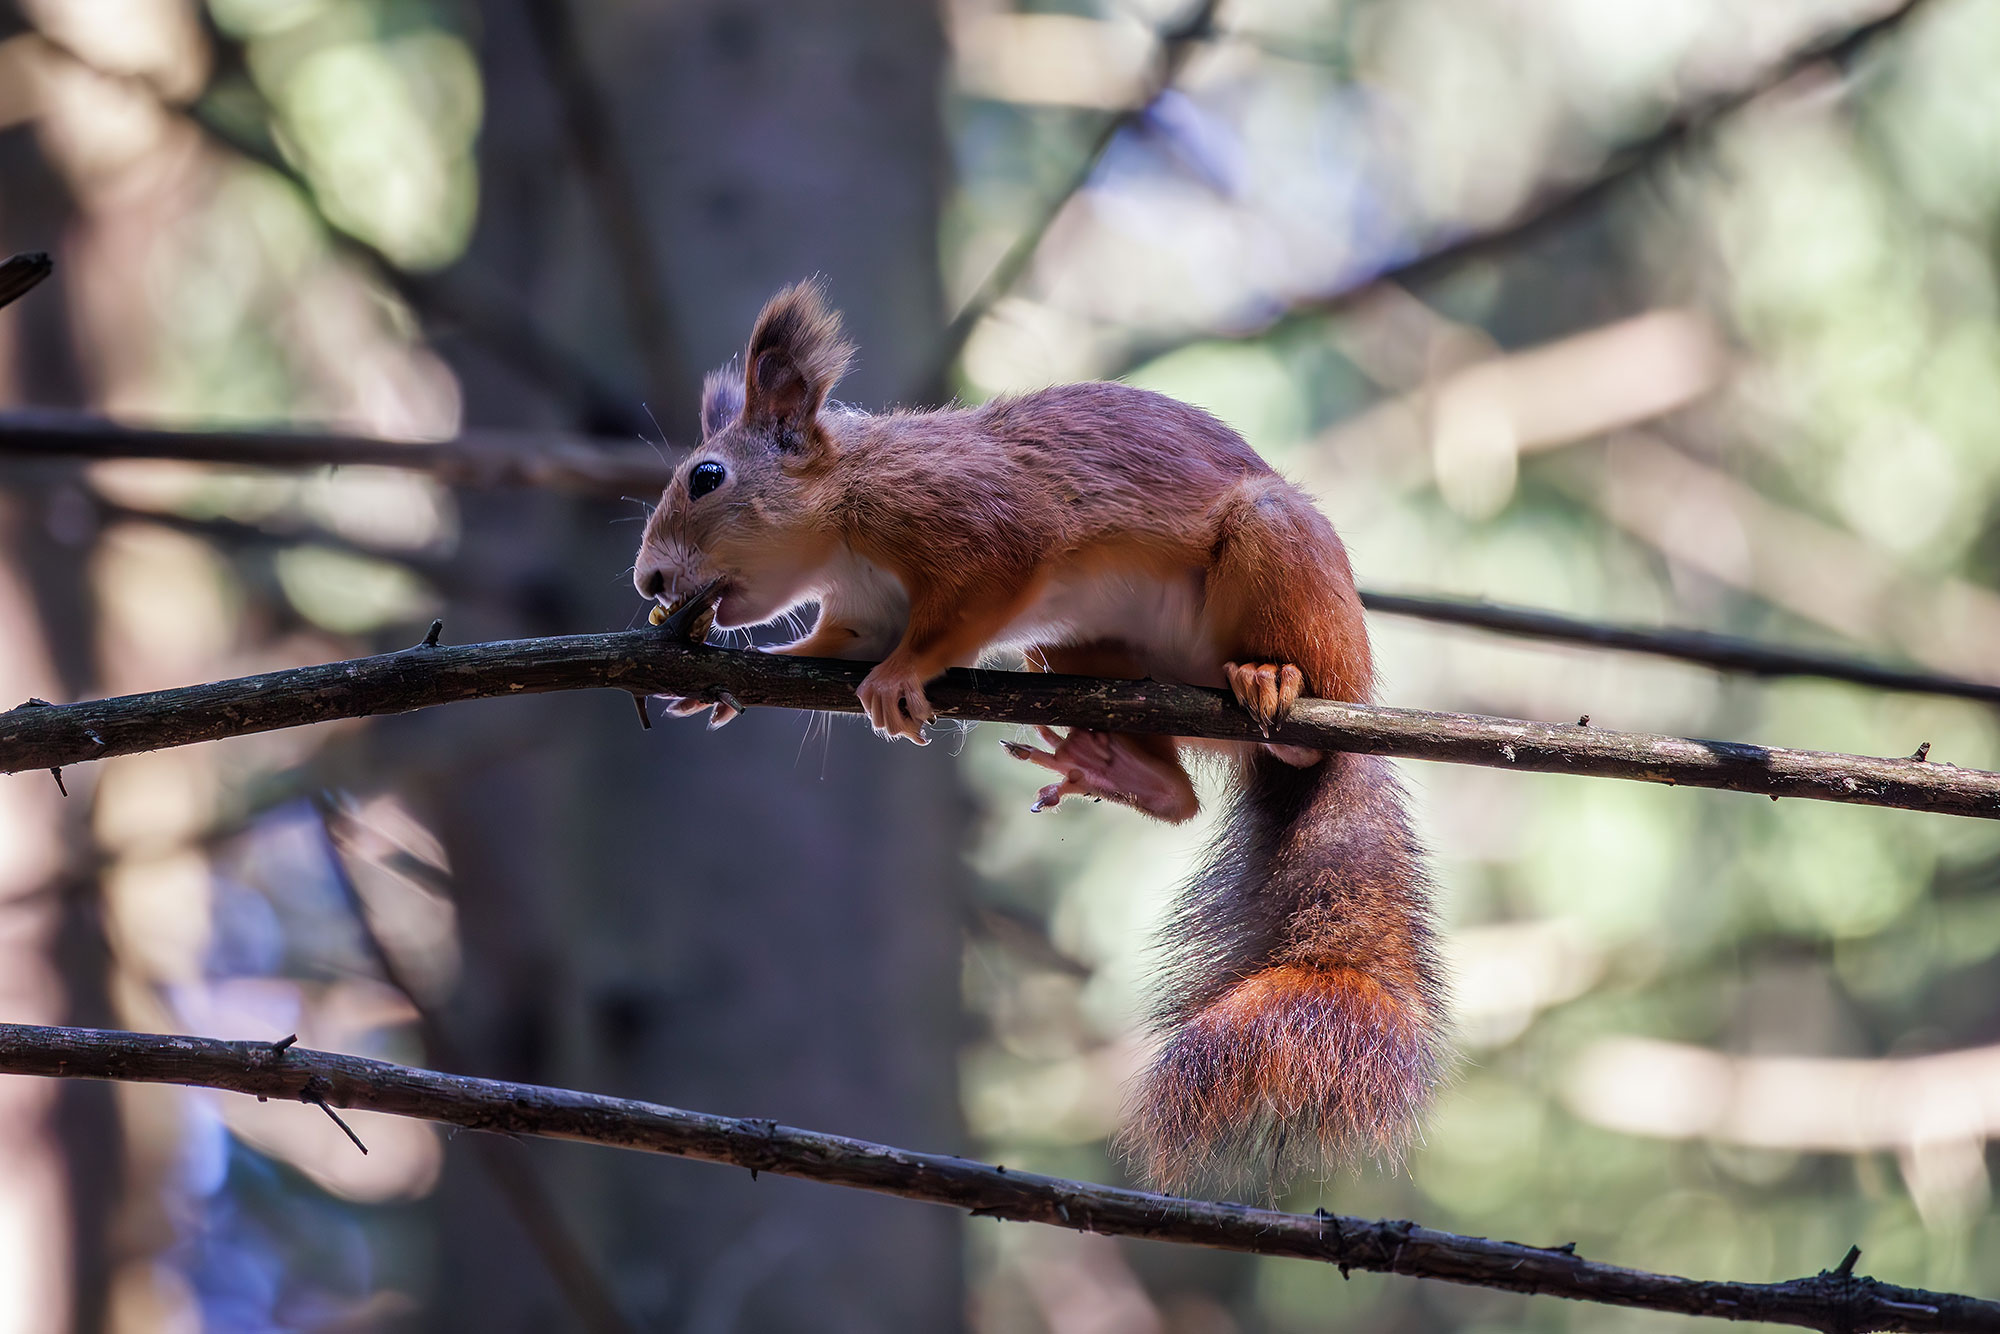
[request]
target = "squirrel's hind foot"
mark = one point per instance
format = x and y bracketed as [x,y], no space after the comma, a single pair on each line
[1107,766]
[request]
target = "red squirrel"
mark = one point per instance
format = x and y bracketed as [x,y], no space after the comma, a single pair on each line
[1104,530]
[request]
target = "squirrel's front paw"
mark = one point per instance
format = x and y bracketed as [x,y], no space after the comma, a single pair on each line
[893,698]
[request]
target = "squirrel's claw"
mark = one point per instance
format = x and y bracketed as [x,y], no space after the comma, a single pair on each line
[1072,780]
[1051,796]
[1267,689]
[725,709]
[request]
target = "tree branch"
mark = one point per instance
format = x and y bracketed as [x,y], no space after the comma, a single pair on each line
[648,662]
[1834,1300]
[491,458]
[481,309]
[1555,207]
[514,1178]
[1725,653]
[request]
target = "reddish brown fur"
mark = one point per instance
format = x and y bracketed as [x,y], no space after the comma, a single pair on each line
[1294,1065]
[1303,1000]
[1304,1007]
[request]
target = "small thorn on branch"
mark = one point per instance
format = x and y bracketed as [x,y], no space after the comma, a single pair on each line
[55,772]
[645,719]
[431,635]
[1583,721]
[1847,1262]
[314,1093]
[1922,753]
[279,1047]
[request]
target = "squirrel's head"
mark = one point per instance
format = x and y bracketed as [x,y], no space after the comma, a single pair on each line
[740,506]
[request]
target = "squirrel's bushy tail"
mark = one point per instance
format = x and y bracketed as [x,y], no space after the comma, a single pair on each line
[1302,1021]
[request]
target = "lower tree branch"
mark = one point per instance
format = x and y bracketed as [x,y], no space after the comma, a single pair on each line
[1835,1300]
[38,735]
[512,1175]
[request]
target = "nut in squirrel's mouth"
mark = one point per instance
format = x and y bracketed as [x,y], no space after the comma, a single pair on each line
[690,618]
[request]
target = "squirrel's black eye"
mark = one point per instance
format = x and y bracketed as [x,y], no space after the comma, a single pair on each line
[705,478]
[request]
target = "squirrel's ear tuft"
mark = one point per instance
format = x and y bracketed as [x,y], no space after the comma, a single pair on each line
[796,356]
[721,400]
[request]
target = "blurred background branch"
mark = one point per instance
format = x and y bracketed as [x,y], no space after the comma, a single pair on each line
[513,1176]
[467,303]
[1724,653]
[594,145]
[556,460]
[1174,44]
[1561,205]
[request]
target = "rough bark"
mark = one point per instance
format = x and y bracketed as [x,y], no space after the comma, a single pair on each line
[647,662]
[1837,1300]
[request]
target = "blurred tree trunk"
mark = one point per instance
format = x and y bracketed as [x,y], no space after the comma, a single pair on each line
[759,921]
[45,533]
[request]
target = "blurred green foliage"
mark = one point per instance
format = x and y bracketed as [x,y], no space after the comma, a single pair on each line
[378,103]
[1839,239]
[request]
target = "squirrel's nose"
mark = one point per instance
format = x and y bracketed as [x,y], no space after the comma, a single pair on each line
[651,583]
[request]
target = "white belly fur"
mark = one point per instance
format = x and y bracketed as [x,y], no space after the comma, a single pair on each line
[871,601]
[1159,620]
